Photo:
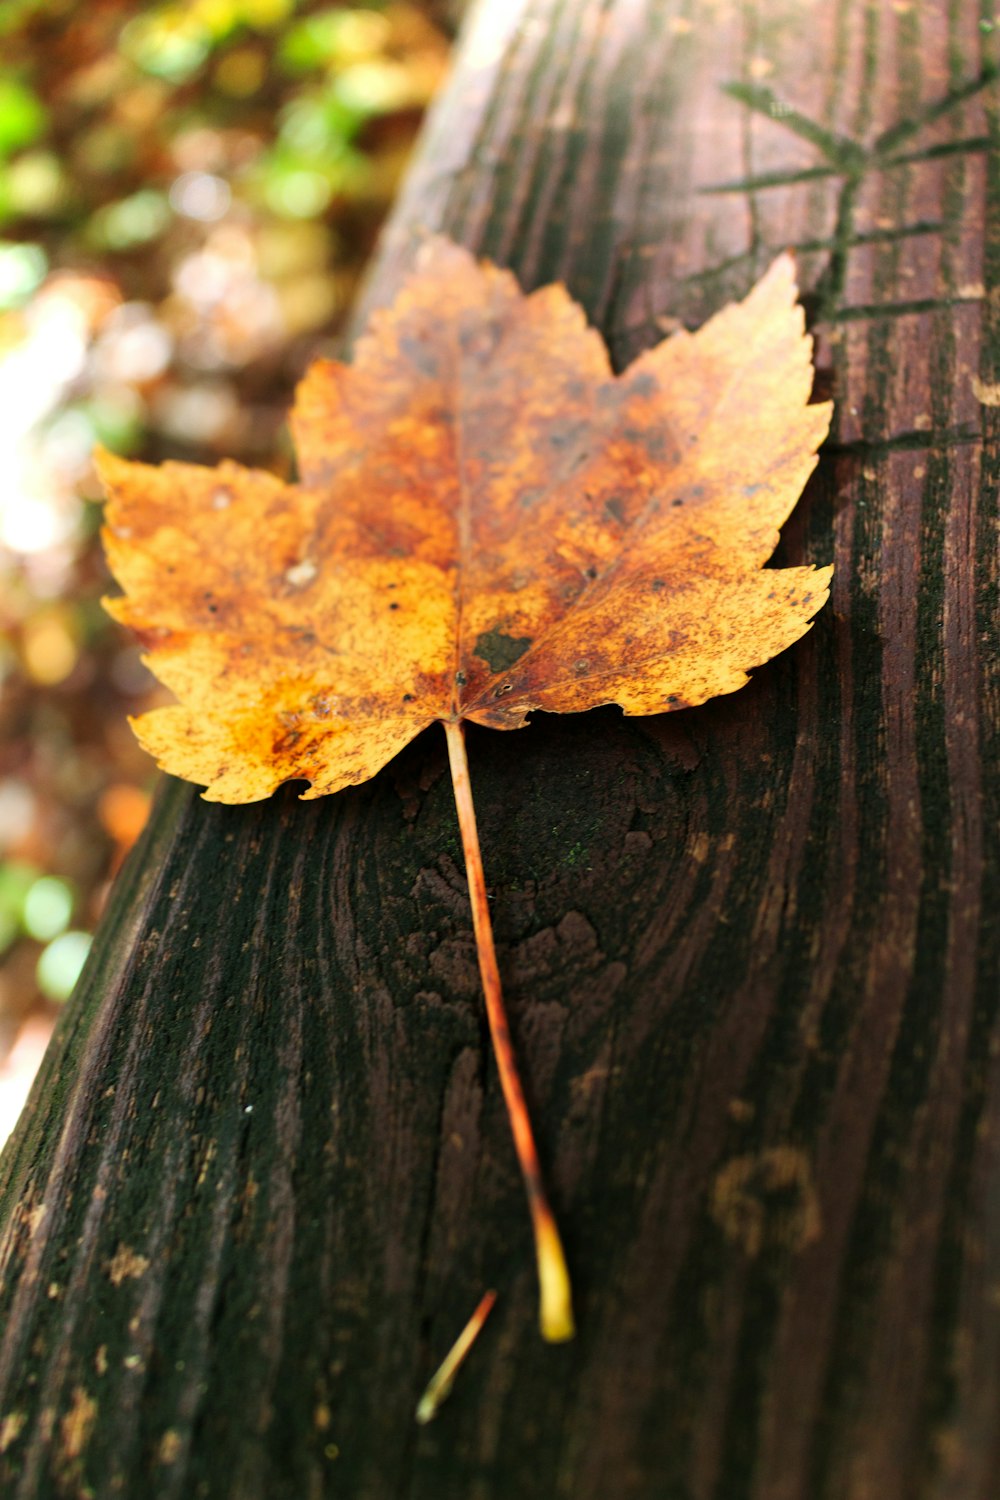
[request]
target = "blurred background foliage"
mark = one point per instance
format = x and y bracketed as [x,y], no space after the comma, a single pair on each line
[188,194]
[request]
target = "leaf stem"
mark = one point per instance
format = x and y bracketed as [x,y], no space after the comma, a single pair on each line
[555,1309]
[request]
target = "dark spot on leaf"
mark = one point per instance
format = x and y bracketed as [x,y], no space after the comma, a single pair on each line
[393,605]
[658,585]
[480,338]
[506,688]
[644,385]
[500,651]
[461,679]
[419,354]
[592,572]
[565,437]
[407,697]
[677,502]
[615,507]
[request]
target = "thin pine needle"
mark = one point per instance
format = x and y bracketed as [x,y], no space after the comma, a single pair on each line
[442,1381]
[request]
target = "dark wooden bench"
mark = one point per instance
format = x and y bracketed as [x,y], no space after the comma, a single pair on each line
[751,951]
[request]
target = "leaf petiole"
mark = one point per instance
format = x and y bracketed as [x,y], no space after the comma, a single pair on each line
[556,1306]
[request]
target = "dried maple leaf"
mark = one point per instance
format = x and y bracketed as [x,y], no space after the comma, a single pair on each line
[488,521]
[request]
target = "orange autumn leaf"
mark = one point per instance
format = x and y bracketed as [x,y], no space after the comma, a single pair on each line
[488,521]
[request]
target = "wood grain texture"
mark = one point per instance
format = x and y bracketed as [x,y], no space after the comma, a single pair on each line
[751,951]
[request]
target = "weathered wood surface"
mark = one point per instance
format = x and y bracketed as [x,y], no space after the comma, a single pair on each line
[751,950]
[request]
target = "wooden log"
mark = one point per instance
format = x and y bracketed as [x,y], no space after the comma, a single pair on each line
[751,951]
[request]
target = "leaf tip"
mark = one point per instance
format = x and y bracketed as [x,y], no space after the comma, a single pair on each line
[824,577]
[785,267]
[778,288]
[111,468]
